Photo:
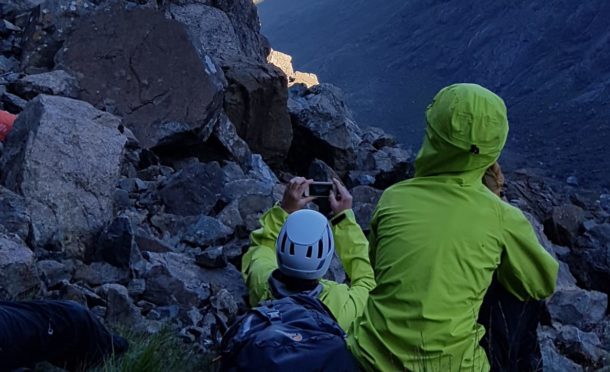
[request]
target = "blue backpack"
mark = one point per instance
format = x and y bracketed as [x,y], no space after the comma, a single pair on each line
[295,333]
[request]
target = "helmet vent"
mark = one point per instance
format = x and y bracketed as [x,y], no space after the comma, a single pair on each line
[291,248]
[309,251]
[328,234]
[283,245]
[320,248]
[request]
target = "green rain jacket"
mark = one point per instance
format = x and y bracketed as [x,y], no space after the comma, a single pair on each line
[436,241]
[345,302]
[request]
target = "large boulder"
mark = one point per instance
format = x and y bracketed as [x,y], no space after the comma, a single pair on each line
[255,101]
[591,261]
[324,128]
[18,274]
[577,307]
[137,64]
[564,224]
[64,157]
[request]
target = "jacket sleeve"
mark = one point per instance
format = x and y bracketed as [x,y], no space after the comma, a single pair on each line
[353,251]
[526,269]
[260,260]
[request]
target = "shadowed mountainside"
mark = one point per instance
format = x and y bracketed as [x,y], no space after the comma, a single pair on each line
[545,58]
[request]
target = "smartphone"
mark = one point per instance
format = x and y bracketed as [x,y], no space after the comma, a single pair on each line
[320,189]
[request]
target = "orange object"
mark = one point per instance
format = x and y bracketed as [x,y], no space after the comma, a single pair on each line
[6,124]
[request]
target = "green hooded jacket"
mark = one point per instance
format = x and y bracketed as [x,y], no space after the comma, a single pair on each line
[345,302]
[436,241]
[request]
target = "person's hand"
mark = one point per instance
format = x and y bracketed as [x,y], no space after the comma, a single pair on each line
[293,199]
[340,199]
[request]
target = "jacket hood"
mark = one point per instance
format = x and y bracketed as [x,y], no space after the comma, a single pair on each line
[466,130]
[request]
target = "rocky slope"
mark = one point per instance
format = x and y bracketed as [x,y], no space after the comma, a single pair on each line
[152,135]
[545,58]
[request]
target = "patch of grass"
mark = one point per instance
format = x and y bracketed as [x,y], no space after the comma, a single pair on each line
[160,352]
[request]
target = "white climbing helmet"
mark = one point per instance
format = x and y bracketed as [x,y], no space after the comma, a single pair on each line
[305,245]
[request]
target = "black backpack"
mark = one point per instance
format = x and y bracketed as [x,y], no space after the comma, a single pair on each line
[295,333]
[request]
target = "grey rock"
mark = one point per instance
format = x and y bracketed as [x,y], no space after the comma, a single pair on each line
[260,170]
[572,181]
[47,29]
[206,231]
[98,273]
[56,83]
[210,30]
[580,346]
[378,138]
[176,278]
[12,102]
[252,207]
[335,271]
[552,360]
[18,274]
[230,216]
[136,287]
[577,307]
[147,242]
[64,156]
[54,272]
[324,128]
[233,190]
[224,301]
[147,67]
[194,190]
[117,245]
[365,201]
[212,258]
[590,261]
[255,99]
[564,224]
[13,213]
[237,148]
[120,307]
[8,64]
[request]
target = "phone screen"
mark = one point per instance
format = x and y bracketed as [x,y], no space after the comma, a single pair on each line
[320,189]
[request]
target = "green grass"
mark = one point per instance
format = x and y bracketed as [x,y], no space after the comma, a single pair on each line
[160,352]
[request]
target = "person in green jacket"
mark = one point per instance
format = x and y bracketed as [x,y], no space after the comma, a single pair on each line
[436,241]
[266,279]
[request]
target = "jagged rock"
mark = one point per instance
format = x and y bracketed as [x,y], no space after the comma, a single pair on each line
[255,102]
[252,207]
[194,190]
[206,231]
[590,262]
[144,68]
[260,170]
[118,247]
[577,307]
[210,29]
[98,273]
[212,258]
[12,102]
[335,271]
[56,83]
[120,308]
[552,360]
[13,213]
[365,200]
[230,215]
[147,242]
[244,17]
[564,224]
[8,64]
[582,347]
[227,136]
[54,272]
[323,128]
[136,287]
[224,301]
[64,156]
[378,138]
[235,189]
[176,278]
[18,274]
[47,28]
[284,63]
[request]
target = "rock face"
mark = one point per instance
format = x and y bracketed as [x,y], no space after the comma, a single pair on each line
[255,101]
[64,157]
[324,127]
[18,274]
[57,83]
[14,216]
[139,65]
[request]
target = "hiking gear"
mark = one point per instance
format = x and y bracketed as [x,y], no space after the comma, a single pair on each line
[305,246]
[436,240]
[345,302]
[6,124]
[294,333]
[63,333]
